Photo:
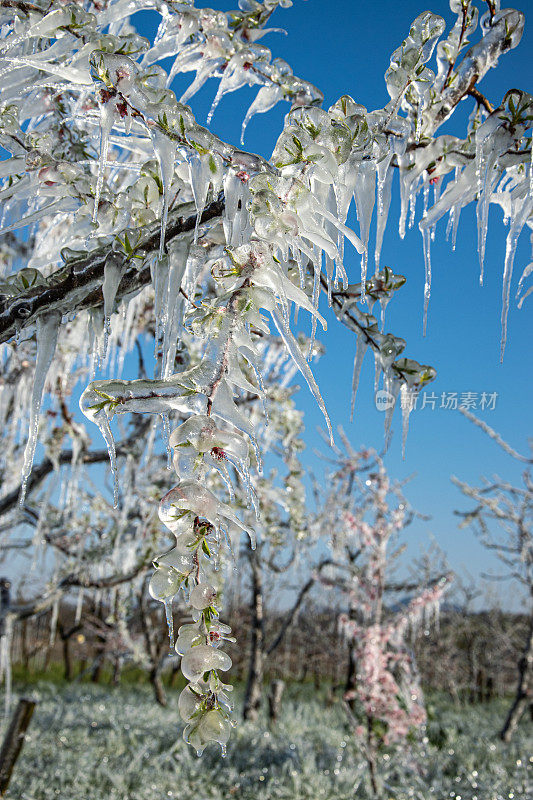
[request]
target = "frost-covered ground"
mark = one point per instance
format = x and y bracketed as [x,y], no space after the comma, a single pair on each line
[91,743]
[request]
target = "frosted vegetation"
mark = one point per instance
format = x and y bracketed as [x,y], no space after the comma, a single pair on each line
[86,743]
[122,214]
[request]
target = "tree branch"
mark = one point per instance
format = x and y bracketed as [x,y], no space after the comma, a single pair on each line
[38,474]
[481,99]
[78,284]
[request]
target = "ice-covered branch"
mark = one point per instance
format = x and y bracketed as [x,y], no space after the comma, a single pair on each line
[78,284]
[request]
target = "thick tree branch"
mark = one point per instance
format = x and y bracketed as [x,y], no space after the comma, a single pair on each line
[78,285]
[42,603]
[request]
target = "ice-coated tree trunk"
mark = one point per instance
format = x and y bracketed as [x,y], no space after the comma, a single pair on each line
[524,692]
[254,684]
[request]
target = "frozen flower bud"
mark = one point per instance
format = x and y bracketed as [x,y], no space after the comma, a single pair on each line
[180,561]
[203,658]
[203,596]
[212,727]
[188,637]
[164,583]
[185,541]
[188,703]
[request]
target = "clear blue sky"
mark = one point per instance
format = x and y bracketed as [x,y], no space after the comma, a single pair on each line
[344,47]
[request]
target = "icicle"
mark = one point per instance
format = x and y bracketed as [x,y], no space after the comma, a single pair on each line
[377,369]
[407,402]
[455,225]
[165,150]
[47,330]
[392,386]
[426,201]
[518,221]
[365,196]
[383,302]
[303,366]
[266,98]
[412,203]
[200,179]
[531,168]
[166,438]
[102,420]
[179,255]
[107,119]
[170,623]
[360,351]
[232,187]
[160,272]
[384,199]
[426,238]
[485,178]
[315,298]
[405,192]
[112,276]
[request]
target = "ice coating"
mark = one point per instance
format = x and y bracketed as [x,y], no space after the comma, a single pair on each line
[360,351]
[107,120]
[47,333]
[202,596]
[112,276]
[170,622]
[165,150]
[265,99]
[157,166]
[200,172]
[191,496]
[203,658]
[303,366]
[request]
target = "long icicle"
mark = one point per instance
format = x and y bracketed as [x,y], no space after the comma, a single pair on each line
[426,236]
[357,364]
[107,119]
[47,330]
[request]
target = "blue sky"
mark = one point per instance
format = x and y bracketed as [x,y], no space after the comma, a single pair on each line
[344,47]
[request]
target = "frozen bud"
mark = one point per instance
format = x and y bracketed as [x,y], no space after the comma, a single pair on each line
[197,431]
[212,727]
[203,596]
[188,703]
[185,541]
[201,659]
[219,633]
[188,636]
[164,583]
[178,560]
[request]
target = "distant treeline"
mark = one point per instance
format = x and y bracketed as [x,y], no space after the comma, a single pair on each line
[472,656]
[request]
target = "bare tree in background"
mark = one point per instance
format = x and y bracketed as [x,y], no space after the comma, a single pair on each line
[502,519]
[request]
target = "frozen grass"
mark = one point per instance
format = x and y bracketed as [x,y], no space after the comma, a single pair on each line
[94,743]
